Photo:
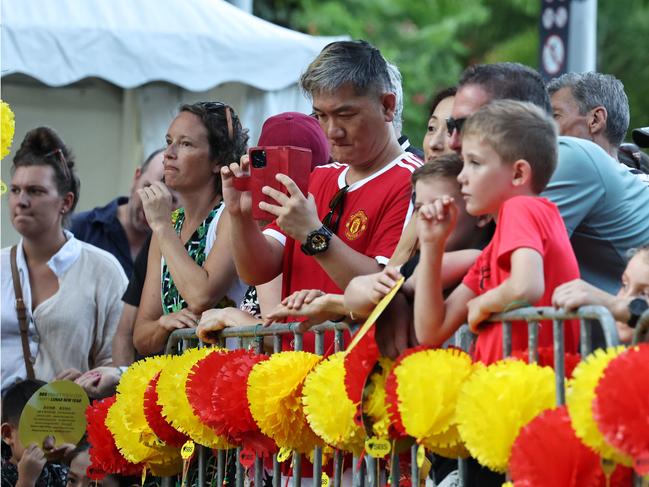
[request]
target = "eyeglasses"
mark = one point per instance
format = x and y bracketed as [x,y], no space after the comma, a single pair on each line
[59,157]
[212,106]
[335,208]
[453,124]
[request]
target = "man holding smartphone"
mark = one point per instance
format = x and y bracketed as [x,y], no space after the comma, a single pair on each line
[352,218]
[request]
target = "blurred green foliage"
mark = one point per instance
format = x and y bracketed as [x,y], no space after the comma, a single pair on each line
[432,41]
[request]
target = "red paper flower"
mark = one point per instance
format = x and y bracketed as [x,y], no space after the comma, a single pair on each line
[200,384]
[230,414]
[546,359]
[359,362]
[156,421]
[548,453]
[104,455]
[621,405]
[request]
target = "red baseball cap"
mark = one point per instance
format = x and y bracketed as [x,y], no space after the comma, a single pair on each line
[299,130]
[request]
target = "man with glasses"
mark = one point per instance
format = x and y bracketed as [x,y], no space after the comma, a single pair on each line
[354,215]
[605,208]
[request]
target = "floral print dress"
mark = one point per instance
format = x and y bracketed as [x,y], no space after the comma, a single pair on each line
[172,301]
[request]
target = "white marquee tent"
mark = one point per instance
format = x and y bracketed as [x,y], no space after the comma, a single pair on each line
[108,75]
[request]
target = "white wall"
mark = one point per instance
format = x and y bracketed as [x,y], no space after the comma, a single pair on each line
[93,119]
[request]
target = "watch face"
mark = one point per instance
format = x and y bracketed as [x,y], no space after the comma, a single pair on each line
[319,242]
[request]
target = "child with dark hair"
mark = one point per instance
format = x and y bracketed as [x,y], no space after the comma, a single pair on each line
[27,466]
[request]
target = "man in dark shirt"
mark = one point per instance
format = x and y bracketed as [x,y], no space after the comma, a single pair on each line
[120,227]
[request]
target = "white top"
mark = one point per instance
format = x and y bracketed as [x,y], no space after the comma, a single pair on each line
[74,328]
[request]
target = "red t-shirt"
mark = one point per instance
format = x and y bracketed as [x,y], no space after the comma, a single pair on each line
[373,216]
[524,222]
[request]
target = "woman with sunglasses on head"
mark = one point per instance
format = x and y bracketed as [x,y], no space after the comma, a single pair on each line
[190,268]
[71,290]
[436,136]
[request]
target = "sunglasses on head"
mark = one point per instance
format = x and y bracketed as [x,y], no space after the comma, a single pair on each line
[335,209]
[453,124]
[212,106]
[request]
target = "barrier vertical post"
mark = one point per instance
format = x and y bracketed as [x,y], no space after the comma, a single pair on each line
[559,365]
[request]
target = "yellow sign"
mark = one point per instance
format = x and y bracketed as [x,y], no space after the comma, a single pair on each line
[377,447]
[187,450]
[374,315]
[283,454]
[57,410]
[421,455]
[325,480]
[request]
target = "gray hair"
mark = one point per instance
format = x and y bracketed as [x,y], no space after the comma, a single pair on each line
[397,88]
[357,63]
[591,90]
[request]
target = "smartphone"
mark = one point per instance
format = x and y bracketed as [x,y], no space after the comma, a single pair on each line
[265,163]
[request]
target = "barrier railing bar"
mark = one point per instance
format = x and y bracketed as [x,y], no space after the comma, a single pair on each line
[532,341]
[220,467]
[395,473]
[338,470]
[414,468]
[507,339]
[317,451]
[559,364]
[373,473]
[642,329]
[585,337]
[240,470]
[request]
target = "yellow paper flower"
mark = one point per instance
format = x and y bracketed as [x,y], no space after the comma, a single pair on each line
[167,468]
[495,402]
[7,128]
[448,444]
[579,399]
[375,406]
[175,405]
[324,387]
[427,407]
[275,397]
[126,419]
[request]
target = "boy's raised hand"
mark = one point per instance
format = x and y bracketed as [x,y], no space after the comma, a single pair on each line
[31,465]
[436,220]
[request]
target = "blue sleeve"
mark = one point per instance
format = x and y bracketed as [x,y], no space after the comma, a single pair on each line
[576,185]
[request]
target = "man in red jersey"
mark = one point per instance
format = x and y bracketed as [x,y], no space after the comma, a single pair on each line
[356,209]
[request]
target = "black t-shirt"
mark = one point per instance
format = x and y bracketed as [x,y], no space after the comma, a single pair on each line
[133,292]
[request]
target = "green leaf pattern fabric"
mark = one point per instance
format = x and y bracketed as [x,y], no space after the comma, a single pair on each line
[172,301]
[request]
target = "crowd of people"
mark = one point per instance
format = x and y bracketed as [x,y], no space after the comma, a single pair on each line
[524,194]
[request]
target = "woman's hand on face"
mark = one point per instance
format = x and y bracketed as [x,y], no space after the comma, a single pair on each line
[180,319]
[157,202]
[236,202]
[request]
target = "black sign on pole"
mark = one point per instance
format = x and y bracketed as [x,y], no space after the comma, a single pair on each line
[554,30]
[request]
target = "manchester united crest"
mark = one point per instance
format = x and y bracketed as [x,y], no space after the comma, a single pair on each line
[356,225]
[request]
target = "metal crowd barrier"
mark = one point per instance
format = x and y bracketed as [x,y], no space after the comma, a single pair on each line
[370,472]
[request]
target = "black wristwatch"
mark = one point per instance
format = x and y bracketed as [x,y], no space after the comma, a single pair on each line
[637,306]
[317,241]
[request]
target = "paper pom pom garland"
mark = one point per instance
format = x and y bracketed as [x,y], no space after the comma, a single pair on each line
[275,397]
[621,405]
[579,398]
[175,405]
[359,363]
[549,441]
[200,384]
[323,388]
[104,455]
[7,128]
[495,402]
[419,406]
[376,417]
[158,424]
[230,408]
[126,420]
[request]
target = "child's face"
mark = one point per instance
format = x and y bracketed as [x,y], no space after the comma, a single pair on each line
[635,280]
[431,188]
[486,182]
[77,476]
[10,437]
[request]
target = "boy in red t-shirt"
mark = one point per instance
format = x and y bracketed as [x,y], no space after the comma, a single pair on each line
[510,151]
